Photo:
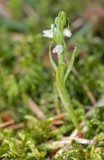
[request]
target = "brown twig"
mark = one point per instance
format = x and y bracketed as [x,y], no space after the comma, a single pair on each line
[5,124]
[36,110]
[85,87]
[59,116]
[57,122]
[17,126]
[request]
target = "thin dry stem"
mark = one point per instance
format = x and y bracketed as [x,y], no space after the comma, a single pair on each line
[17,126]
[5,124]
[85,87]
[36,110]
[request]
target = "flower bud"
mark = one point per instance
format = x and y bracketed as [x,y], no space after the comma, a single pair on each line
[62,16]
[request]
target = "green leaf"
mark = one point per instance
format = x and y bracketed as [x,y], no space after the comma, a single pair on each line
[18,25]
[64,96]
[99,123]
[70,65]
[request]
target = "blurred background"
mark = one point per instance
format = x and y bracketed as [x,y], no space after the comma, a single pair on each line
[31,114]
[25,70]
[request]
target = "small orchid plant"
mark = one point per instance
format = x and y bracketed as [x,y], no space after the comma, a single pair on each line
[57,33]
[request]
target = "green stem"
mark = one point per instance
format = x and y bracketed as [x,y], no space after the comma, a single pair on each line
[60,59]
[64,96]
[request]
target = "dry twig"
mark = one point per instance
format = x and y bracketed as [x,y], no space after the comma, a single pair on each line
[68,140]
[5,124]
[36,110]
[17,126]
[57,121]
[85,87]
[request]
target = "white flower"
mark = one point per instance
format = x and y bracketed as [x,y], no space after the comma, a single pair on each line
[48,33]
[58,49]
[67,32]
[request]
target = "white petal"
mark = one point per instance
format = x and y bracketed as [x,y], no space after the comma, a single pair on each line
[52,27]
[48,33]
[58,49]
[67,32]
